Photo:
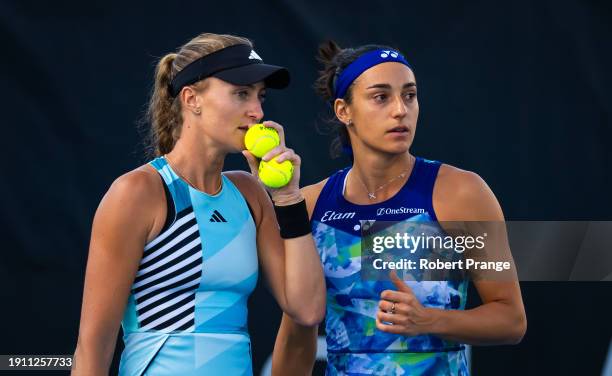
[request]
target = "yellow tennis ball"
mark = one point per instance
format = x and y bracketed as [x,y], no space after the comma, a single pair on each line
[274,174]
[260,139]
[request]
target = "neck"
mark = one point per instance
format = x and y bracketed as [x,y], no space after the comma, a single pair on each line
[200,165]
[370,172]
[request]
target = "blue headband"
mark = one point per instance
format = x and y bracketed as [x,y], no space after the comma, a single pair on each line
[363,63]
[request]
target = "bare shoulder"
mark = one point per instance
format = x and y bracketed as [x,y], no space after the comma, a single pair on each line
[463,195]
[311,194]
[246,183]
[140,185]
[453,180]
[242,178]
[251,189]
[135,194]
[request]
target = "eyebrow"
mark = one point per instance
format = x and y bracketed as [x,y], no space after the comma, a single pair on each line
[252,86]
[387,86]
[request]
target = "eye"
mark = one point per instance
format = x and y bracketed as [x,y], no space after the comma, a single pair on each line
[243,94]
[410,95]
[262,97]
[380,97]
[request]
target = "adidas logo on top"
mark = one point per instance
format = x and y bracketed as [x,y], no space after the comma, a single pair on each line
[217,217]
[386,54]
[254,56]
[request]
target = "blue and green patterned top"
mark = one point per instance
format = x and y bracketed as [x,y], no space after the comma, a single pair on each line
[354,345]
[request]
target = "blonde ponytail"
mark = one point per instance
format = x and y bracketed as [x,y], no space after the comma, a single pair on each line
[164,111]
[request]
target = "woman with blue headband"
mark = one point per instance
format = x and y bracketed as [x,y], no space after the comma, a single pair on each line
[402,326]
[176,243]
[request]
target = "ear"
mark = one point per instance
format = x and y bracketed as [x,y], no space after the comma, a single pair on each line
[190,99]
[343,111]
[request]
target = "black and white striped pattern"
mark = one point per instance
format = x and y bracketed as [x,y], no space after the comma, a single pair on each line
[168,276]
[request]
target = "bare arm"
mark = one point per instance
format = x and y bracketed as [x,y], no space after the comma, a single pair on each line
[501,318]
[291,266]
[296,345]
[461,196]
[121,226]
[295,348]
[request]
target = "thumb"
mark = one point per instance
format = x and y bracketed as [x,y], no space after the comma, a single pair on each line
[400,284]
[252,161]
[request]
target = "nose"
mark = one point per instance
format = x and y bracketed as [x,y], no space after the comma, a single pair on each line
[255,111]
[400,109]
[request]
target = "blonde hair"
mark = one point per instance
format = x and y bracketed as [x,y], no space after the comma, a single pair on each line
[164,111]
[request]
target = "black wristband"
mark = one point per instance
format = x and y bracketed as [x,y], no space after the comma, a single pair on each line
[293,220]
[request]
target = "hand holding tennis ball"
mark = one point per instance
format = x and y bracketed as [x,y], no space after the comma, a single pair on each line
[261,139]
[274,174]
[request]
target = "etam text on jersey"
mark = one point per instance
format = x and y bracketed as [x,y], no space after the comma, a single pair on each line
[331,215]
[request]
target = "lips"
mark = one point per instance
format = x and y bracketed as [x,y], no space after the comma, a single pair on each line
[399,129]
[244,127]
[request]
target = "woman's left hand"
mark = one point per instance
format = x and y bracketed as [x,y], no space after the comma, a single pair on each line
[400,312]
[282,153]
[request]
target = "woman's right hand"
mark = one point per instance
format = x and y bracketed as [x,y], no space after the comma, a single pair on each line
[290,193]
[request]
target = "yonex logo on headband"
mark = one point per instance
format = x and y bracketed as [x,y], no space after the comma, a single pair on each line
[254,56]
[363,63]
[385,54]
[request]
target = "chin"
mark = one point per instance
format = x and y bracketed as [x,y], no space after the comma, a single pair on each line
[398,148]
[237,145]
[399,151]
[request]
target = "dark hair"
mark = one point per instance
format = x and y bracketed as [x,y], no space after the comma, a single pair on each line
[335,59]
[164,111]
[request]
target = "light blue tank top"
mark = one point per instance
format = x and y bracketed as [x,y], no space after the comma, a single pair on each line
[187,311]
[354,345]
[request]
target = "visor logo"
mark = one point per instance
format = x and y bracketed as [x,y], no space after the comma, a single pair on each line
[254,56]
[386,54]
